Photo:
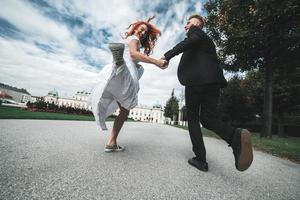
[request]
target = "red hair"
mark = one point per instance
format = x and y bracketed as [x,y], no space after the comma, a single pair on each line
[148,42]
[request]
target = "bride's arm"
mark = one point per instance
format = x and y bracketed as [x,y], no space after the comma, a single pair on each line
[138,56]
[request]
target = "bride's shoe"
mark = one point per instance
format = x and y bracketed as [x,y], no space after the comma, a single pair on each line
[114,148]
[117,50]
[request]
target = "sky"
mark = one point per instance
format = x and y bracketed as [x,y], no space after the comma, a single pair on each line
[63,45]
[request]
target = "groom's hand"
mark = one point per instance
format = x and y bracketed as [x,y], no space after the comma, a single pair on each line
[165,61]
[162,64]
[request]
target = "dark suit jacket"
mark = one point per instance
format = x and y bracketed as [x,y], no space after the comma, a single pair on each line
[199,64]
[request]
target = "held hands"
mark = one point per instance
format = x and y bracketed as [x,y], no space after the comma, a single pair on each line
[162,63]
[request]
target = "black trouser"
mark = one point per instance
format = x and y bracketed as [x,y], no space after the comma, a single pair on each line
[201,103]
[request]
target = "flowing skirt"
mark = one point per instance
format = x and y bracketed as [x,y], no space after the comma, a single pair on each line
[117,85]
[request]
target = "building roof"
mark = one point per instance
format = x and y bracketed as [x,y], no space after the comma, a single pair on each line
[154,107]
[22,90]
[53,93]
[83,92]
[157,105]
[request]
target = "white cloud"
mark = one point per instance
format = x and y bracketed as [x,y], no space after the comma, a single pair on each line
[40,72]
[30,21]
[198,6]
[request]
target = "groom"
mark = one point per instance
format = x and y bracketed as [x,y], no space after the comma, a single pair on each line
[200,72]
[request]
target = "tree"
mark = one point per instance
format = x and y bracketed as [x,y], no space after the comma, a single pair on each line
[172,107]
[233,102]
[28,104]
[41,104]
[285,96]
[253,87]
[256,34]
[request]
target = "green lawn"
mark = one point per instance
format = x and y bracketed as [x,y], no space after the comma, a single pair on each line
[288,147]
[17,113]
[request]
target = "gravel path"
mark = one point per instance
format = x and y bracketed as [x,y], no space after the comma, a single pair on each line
[44,159]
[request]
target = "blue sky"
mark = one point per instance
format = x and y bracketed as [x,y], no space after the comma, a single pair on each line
[63,44]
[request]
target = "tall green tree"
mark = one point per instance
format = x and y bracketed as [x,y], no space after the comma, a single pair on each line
[172,107]
[253,88]
[256,34]
[233,102]
[285,96]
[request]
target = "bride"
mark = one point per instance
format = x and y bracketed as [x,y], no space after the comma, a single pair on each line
[119,85]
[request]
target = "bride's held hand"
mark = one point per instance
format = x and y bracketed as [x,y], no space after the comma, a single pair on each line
[161,63]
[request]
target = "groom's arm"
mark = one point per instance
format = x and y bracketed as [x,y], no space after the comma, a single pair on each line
[192,40]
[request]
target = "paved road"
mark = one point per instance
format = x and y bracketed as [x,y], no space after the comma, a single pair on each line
[43,159]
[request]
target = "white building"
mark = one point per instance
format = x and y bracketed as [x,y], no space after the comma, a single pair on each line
[154,114]
[79,100]
[143,113]
[18,95]
[34,99]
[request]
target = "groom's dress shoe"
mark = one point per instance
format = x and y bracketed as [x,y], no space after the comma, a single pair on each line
[242,149]
[203,166]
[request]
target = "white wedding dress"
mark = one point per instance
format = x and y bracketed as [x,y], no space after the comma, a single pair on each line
[117,85]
